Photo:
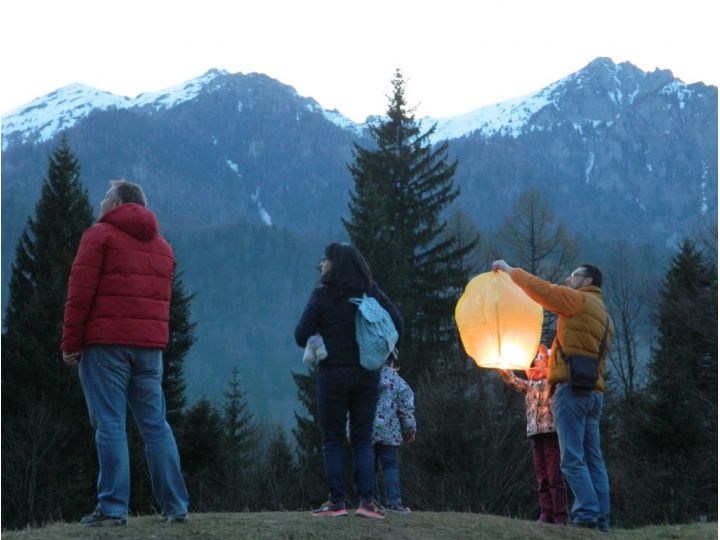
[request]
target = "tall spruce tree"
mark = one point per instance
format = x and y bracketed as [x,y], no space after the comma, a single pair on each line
[47,448]
[401,189]
[678,430]
[280,488]
[240,430]
[240,446]
[307,437]
[201,446]
[182,338]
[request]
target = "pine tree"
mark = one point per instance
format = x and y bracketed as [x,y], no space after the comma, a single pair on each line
[401,188]
[240,431]
[308,438]
[278,482]
[46,437]
[201,446]
[678,434]
[182,338]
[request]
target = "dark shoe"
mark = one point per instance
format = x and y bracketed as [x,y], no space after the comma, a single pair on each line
[176,519]
[98,519]
[585,524]
[369,510]
[334,509]
[398,508]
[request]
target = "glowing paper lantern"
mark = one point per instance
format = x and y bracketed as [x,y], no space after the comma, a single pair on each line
[499,324]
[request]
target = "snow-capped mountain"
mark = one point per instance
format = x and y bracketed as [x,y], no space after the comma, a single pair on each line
[250,180]
[262,152]
[621,85]
[44,117]
[41,119]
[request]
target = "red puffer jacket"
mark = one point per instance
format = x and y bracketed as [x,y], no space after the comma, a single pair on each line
[120,283]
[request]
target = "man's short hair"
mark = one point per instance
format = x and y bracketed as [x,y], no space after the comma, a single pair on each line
[593,272]
[128,192]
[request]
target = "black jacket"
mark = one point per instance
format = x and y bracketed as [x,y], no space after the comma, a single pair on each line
[333,317]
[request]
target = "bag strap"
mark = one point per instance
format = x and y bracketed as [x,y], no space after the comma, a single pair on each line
[604,338]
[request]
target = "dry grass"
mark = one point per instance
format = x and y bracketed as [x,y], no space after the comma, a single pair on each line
[301,526]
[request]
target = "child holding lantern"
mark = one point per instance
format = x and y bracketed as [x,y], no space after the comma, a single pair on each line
[543,438]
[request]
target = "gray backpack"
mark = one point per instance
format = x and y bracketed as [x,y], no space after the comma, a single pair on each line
[375,332]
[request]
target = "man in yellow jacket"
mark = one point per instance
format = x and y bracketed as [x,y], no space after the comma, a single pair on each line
[583,329]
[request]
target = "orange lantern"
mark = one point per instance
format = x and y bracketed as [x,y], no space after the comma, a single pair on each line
[499,324]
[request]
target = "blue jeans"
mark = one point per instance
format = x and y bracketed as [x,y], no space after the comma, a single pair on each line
[342,390]
[389,459]
[113,377]
[577,419]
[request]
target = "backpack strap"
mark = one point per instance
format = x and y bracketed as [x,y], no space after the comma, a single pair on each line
[357,300]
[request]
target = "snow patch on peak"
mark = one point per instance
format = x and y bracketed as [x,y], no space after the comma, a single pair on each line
[334,116]
[589,163]
[170,97]
[679,89]
[340,120]
[267,219]
[234,167]
[504,118]
[42,118]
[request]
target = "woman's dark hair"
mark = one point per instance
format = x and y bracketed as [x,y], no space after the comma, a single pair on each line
[349,271]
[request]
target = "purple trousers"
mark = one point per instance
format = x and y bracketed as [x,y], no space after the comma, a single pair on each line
[550,480]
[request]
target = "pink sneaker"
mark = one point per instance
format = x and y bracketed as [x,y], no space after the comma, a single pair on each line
[332,509]
[369,510]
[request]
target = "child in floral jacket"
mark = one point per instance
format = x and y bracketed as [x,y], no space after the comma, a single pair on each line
[543,438]
[394,422]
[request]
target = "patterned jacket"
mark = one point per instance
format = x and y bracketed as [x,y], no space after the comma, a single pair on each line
[395,413]
[537,404]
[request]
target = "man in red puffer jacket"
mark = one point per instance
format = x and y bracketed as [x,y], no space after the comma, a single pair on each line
[116,327]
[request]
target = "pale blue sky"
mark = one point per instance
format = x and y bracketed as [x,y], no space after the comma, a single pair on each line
[458,55]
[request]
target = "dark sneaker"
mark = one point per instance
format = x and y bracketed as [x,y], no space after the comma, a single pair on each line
[336,509]
[98,519]
[585,524]
[397,508]
[176,519]
[369,510]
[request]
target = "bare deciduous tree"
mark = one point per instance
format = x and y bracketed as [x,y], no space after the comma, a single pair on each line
[534,240]
[626,294]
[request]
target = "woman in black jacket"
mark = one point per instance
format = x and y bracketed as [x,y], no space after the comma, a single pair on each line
[343,386]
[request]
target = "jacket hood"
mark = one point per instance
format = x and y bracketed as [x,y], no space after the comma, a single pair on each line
[134,219]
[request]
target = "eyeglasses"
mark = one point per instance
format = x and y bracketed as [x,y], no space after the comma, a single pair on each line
[574,275]
[323,259]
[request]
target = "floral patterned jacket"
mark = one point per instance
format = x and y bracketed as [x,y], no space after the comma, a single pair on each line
[537,403]
[395,413]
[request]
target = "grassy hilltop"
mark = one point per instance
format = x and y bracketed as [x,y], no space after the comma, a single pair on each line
[301,526]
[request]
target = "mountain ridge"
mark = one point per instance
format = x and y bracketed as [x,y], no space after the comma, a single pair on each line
[72,103]
[250,180]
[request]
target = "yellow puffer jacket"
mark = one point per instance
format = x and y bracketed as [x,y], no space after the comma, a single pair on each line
[580,326]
